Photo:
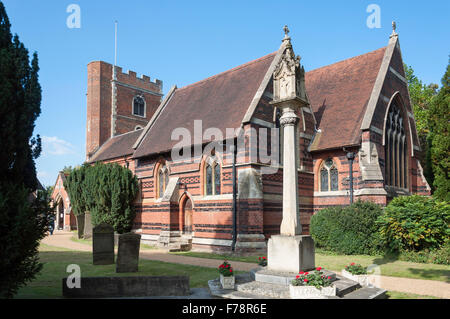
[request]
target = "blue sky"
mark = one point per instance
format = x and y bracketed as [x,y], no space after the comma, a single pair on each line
[181,42]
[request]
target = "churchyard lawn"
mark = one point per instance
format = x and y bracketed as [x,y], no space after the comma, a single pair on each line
[48,283]
[334,262]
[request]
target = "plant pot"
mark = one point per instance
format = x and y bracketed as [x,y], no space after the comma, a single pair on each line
[227,282]
[363,280]
[311,292]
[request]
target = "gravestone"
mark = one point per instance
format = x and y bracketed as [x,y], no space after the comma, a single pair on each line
[103,244]
[80,225]
[87,226]
[128,252]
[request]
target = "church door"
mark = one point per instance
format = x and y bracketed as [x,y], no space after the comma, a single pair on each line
[61,215]
[187,212]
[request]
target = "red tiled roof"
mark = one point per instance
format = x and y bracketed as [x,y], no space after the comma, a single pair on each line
[117,146]
[220,101]
[338,94]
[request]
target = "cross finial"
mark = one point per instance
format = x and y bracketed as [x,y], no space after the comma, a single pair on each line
[394,27]
[286,31]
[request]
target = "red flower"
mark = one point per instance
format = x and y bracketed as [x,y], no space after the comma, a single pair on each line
[305,280]
[329,277]
[264,257]
[306,273]
[301,272]
[297,277]
[221,266]
[231,270]
[352,264]
[318,268]
[259,258]
[227,266]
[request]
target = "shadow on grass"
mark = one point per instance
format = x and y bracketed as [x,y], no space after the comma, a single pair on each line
[431,273]
[48,283]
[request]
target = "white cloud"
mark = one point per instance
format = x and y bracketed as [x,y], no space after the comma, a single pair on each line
[53,145]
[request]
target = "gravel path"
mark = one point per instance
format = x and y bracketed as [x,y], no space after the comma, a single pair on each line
[434,288]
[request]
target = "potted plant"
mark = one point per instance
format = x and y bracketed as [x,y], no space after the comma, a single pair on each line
[311,285]
[262,261]
[226,275]
[357,273]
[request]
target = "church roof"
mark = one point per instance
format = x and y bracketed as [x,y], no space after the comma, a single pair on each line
[220,101]
[117,146]
[338,94]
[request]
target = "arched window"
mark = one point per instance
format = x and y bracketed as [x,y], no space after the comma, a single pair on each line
[329,176]
[395,149]
[162,180]
[139,106]
[212,176]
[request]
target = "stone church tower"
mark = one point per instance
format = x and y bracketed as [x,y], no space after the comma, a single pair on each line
[117,103]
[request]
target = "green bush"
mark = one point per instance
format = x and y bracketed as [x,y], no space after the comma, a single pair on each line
[436,256]
[414,223]
[347,230]
[107,191]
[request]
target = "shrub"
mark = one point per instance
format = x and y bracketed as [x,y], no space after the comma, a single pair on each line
[107,191]
[347,230]
[414,223]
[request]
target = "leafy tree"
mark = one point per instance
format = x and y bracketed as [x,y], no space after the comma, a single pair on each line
[422,96]
[23,218]
[440,140]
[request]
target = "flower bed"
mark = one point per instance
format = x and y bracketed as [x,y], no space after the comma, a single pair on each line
[262,261]
[311,285]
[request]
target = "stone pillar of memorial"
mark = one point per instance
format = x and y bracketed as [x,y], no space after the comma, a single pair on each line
[290,251]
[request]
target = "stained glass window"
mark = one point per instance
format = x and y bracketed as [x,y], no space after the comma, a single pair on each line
[208,180]
[334,179]
[217,179]
[324,180]
[161,183]
[395,149]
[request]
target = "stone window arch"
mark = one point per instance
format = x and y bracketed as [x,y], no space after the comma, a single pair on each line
[395,148]
[328,176]
[139,106]
[162,179]
[212,176]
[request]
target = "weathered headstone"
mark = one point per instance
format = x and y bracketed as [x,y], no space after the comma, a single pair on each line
[103,244]
[87,226]
[128,252]
[80,225]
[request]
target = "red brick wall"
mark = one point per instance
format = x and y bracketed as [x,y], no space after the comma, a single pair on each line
[99,102]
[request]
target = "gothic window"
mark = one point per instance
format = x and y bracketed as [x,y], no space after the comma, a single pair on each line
[395,149]
[162,180]
[329,176]
[212,176]
[139,106]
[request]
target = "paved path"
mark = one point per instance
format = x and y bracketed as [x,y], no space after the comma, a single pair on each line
[434,288]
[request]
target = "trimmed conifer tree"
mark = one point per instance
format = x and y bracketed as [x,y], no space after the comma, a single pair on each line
[24,219]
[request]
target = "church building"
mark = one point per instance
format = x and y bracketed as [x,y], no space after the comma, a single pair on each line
[208,156]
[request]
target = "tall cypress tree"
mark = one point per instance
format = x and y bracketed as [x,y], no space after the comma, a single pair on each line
[23,218]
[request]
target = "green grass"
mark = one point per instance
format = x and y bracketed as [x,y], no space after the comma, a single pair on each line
[331,261]
[404,295]
[48,283]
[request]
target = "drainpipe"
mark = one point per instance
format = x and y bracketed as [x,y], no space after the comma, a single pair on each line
[351,157]
[233,176]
